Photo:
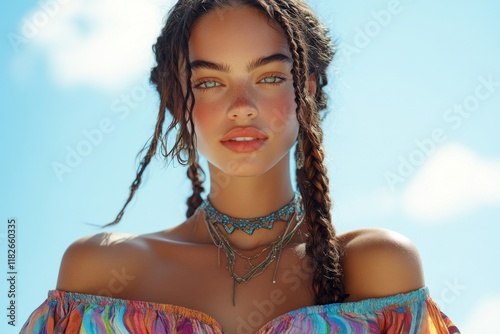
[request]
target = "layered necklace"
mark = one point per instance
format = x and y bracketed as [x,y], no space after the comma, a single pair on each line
[214,219]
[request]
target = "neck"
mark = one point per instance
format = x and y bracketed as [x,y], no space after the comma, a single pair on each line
[250,197]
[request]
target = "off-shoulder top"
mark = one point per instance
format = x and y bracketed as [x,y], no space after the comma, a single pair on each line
[68,312]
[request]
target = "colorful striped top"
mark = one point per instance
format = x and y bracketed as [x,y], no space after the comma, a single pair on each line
[68,312]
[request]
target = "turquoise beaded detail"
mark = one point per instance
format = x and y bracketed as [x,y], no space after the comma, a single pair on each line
[249,225]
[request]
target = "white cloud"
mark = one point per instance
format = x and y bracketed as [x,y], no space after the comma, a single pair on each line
[483,317]
[102,43]
[453,181]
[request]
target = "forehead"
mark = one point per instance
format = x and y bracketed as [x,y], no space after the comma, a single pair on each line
[235,35]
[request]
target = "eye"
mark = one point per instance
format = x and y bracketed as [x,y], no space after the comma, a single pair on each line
[273,79]
[207,84]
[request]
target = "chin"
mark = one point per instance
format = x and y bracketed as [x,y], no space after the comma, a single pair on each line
[243,167]
[245,171]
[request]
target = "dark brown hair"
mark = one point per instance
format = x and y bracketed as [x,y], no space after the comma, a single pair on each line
[312,51]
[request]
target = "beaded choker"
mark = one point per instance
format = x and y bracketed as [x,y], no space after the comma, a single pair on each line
[292,210]
[249,225]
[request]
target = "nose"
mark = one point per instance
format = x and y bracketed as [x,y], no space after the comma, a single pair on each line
[242,105]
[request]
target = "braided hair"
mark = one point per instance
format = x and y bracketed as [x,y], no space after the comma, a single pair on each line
[312,52]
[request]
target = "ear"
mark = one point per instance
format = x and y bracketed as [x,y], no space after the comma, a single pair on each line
[311,84]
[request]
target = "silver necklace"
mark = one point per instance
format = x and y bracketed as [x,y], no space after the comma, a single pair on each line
[275,248]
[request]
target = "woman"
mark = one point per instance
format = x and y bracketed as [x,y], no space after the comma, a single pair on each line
[244,82]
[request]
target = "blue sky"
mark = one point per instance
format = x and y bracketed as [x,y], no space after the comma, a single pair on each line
[412,136]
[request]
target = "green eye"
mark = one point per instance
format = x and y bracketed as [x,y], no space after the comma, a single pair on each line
[273,79]
[208,84]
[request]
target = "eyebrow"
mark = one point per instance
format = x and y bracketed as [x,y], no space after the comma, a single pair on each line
[277,57]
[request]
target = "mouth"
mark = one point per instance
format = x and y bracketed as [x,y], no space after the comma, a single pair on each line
[244,144]
[244,139]
[244,134]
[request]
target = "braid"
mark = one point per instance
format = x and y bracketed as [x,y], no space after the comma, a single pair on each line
[151,151]
[322,247]
[312,179]
[171,47]
[296,48]
[196,175]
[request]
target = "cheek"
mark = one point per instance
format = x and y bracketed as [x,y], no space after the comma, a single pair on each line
[204,117]
[199,118]
[283,115]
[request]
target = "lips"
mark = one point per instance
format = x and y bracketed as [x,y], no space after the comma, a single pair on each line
[244,134]
[244,140]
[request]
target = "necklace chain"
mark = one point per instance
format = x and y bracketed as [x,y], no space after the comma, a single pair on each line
[275,247]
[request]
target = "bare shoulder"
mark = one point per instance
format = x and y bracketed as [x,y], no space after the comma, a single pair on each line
[101,264]
[378,263]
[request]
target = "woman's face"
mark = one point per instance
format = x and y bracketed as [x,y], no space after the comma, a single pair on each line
[244,112]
